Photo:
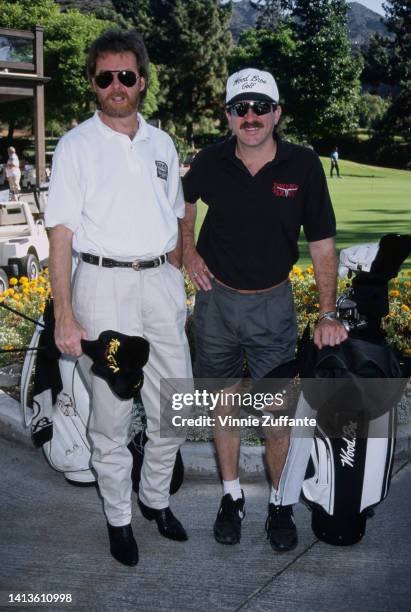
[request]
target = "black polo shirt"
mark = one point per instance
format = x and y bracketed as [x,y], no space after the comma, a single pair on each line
[250,232]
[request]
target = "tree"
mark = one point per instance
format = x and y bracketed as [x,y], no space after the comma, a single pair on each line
[376,62]
[138,12]
[67,40]
[398,22]
[325,75]
[388,61]
[309,55]
[270,13]
[372,109]
[193,69]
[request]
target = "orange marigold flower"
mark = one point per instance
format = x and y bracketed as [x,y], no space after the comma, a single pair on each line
[394,293]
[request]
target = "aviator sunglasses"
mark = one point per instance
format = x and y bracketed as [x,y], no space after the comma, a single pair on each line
[240,109]
[128,78]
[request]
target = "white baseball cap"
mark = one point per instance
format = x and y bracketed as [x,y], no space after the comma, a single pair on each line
[251,84]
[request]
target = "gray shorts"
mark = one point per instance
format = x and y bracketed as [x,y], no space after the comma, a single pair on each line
[230,327]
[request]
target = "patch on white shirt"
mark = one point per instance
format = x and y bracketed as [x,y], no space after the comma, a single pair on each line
[162,170]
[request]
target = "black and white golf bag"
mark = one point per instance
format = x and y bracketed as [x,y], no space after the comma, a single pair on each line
[349,474]
[351,459]
[58,413]
[55,403]
[342,467]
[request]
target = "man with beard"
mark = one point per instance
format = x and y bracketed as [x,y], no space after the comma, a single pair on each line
[259,190]
[115,198]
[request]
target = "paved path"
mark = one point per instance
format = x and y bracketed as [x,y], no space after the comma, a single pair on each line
[53,539]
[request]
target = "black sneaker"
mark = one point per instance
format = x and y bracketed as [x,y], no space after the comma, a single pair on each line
[227,527]
[281,529]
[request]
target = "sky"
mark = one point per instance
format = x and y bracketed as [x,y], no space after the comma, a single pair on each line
[374,5]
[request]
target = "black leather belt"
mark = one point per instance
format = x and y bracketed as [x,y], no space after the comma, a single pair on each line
[96,260]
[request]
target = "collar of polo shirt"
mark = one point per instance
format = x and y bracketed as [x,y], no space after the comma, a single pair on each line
[142,132]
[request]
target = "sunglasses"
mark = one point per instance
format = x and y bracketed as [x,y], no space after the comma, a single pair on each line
[259,108]
[128,78]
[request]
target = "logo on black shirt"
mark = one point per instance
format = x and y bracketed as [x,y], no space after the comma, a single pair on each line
[162,170]
[285,190]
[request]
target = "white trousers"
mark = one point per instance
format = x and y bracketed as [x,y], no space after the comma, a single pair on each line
[152,304]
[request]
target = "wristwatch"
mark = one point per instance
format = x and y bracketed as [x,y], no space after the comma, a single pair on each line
[330,314]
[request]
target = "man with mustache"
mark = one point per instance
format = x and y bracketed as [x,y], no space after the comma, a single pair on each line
[115,198]
[259,190]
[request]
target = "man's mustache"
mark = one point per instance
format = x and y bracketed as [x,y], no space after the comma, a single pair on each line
[253,124]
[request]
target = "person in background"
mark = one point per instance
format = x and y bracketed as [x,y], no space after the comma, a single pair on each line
[334,163]
[13,173]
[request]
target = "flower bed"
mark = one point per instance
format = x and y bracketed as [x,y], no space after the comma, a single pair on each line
[29,297]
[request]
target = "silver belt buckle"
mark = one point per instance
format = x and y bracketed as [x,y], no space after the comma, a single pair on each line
[136,265]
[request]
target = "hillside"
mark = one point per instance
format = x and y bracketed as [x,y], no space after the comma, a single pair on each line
[362,22]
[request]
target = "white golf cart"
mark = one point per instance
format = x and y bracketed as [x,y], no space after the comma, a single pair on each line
[24,246]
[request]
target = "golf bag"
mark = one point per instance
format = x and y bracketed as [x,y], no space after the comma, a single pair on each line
[350,465]
[59,411]
[59,414]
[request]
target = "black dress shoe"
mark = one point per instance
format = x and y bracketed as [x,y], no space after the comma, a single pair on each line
[167,523]
[281,529]
[123,546]
[227,526]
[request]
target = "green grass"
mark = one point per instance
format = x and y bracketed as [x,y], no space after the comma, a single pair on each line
[369,202]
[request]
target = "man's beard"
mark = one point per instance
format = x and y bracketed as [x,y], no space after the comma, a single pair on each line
[129,107]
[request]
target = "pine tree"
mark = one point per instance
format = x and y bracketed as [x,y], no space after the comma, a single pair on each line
[309,54]
[190,44]
[388,61]
[325,79]
[398,22]
[137,12]
[270,13]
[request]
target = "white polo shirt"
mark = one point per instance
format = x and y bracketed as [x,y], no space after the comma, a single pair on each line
[13,166]
[120,197]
